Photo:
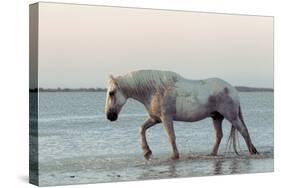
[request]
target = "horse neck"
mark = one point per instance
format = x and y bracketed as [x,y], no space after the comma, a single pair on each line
[140,94]
[137,94]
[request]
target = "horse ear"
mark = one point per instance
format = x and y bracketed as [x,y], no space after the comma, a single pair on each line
[113,79]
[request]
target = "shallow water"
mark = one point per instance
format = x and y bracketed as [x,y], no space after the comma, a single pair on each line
[78,145]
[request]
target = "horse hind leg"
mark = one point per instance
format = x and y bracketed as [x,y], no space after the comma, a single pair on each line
[241,127]
[251,147]
[217,122]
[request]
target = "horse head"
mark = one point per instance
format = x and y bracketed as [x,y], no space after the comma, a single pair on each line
[115,99]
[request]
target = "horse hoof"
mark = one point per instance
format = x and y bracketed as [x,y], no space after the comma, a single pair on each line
[253,151]
[147,155]
[175,157]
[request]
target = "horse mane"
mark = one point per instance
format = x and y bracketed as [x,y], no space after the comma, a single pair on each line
[142,81]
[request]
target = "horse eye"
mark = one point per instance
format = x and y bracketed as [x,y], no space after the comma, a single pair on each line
[111,93]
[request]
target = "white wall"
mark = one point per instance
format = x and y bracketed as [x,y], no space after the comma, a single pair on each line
[14,91]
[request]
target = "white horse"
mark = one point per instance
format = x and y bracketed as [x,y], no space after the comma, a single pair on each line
[169,97]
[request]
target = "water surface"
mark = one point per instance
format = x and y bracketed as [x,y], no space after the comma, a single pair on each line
[77,144]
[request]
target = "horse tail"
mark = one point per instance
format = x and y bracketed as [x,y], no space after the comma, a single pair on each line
[241,117]
[232,140]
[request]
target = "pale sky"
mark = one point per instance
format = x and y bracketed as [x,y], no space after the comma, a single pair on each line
[80,45]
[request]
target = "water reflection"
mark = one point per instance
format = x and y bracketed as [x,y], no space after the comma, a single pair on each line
[167,170]
[239,165]
[172,170]
[231,166]
[197,166]
[234,166]
[218,167]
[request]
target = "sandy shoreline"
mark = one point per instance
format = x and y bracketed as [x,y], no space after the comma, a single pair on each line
[132,168]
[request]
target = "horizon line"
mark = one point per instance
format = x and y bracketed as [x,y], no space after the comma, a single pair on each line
[100,89]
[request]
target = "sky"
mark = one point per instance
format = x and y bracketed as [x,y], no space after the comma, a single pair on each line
[80,45]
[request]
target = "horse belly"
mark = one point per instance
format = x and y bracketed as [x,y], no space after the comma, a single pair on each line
[189,110]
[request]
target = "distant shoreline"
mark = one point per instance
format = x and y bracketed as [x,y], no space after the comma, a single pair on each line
[253,89]
[239,88]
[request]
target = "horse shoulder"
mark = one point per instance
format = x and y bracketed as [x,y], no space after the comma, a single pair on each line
[162,103]
[168,103]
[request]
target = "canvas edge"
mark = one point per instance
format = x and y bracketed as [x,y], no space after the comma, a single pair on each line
[33,94]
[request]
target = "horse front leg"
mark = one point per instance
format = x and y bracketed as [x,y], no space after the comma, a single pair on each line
[146,125]
[169,128]
[217,121]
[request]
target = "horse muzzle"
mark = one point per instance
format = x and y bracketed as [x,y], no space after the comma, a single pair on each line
[112,116]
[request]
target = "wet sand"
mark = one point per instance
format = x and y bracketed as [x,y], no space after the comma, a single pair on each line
[132,167]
